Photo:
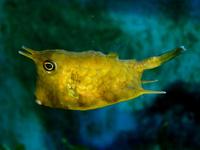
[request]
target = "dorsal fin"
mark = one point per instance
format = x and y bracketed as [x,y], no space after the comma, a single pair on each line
[112,55]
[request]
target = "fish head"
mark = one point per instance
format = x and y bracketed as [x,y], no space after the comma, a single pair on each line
[50,74]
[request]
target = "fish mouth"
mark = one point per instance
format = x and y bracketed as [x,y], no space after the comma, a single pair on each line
[27,52]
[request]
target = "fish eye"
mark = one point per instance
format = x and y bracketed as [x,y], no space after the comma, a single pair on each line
[49,65]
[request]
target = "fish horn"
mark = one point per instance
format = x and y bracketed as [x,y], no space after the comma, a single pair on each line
[148,81]
[153,92]
[27,52]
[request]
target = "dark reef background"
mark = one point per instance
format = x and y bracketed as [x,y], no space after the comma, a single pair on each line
[131,28]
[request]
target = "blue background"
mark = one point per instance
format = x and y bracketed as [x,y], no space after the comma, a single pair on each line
[133,29]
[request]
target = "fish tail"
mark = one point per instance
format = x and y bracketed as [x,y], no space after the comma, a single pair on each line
[156,61]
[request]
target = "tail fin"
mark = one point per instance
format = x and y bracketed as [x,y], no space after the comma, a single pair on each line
[156,61]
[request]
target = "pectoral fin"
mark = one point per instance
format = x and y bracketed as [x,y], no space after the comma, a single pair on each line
[72,91]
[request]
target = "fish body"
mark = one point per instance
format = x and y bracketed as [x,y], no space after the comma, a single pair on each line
[90,80]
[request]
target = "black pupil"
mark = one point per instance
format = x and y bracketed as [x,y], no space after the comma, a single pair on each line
[49,66]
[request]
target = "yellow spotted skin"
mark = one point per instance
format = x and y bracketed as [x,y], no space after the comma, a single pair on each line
[89,80]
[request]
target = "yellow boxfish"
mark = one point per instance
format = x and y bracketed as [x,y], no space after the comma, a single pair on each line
[89,80]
